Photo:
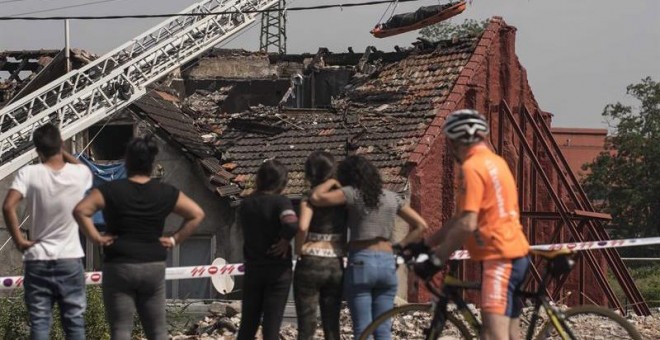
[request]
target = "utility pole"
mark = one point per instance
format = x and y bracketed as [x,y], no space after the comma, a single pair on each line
[273,29]
[67,46]
[77,138]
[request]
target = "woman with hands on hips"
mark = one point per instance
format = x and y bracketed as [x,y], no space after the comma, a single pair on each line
[135,248]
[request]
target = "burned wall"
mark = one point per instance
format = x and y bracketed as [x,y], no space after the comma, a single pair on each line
[324,84]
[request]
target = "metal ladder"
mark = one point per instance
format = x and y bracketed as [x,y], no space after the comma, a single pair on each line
[85,96]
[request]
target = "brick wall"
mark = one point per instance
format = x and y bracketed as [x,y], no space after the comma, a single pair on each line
[493,74]
[580,146]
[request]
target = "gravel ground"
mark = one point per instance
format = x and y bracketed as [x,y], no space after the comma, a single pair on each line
[222,323]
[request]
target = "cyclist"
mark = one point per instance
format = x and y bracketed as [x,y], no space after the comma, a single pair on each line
[487,222]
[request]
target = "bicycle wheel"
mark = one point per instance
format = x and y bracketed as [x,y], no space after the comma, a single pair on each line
[410,321]
[592,322]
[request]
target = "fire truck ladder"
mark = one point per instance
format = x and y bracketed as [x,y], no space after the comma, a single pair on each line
[85,96]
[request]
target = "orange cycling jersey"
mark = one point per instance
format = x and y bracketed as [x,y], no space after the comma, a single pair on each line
[488,189]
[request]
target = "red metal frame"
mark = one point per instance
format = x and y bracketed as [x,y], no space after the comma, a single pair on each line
[581,221]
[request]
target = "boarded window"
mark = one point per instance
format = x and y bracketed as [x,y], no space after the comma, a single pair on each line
[197,250]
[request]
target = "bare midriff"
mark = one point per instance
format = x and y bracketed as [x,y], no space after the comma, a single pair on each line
[376,244]
[320,245]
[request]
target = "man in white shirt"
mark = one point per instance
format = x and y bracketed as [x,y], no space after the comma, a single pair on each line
[53,254]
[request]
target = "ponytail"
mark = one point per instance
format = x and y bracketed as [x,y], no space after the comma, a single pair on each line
[140,155]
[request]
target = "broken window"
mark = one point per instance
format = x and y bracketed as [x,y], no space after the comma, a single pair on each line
[109,142]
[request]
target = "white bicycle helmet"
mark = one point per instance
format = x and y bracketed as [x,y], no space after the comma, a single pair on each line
[466,126]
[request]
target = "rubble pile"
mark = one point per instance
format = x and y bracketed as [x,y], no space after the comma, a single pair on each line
[224,318]
[206,103]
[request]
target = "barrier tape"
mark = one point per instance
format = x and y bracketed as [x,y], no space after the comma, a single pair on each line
[235,269]
[172,273]
[588,245]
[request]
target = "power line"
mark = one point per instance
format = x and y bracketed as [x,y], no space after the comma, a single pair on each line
[8,1]
[169,15]
[60,8]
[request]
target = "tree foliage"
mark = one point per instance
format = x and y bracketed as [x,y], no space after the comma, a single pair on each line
[625,178]
[446,30]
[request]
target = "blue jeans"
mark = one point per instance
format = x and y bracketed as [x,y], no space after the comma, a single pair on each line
[370,286]
[61,281]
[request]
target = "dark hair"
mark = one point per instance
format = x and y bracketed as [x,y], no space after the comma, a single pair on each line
[140,155]
[272,176]
[47,140]
[358,172]
[319,166]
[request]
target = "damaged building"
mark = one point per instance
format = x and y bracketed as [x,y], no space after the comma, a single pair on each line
[222,115]
[241,108]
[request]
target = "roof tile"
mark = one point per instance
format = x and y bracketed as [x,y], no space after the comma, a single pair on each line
[384,117]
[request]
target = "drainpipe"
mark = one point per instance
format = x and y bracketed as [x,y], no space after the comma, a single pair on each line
[298,83]
[67,48]
[312,86]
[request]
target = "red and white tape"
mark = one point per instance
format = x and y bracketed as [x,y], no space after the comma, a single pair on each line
[220,272]
[218,269]
[588,245]
[173,273]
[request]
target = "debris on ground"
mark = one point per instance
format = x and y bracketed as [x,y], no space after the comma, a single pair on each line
[223,320]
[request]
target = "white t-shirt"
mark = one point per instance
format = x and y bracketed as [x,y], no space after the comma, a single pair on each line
[51,196]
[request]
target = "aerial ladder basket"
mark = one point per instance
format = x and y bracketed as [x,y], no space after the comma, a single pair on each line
[424,16]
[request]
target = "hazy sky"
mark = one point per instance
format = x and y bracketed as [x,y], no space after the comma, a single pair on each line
[579,54]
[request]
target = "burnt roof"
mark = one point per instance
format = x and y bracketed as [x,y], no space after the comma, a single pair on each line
[382,115]
[161,110]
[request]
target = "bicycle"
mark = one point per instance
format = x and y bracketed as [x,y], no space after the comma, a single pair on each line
[460,321]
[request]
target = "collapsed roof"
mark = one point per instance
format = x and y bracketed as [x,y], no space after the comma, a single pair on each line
[383,112]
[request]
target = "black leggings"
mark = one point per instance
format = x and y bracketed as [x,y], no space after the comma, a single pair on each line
[265,291]
[318,280]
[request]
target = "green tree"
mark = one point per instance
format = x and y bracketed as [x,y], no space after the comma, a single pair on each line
[446,30]
[625,178]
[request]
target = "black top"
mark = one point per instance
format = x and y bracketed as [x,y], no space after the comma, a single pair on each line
[265,219]
[136,214]
[327,220]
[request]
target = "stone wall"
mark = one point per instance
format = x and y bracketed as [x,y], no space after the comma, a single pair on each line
[236,66]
